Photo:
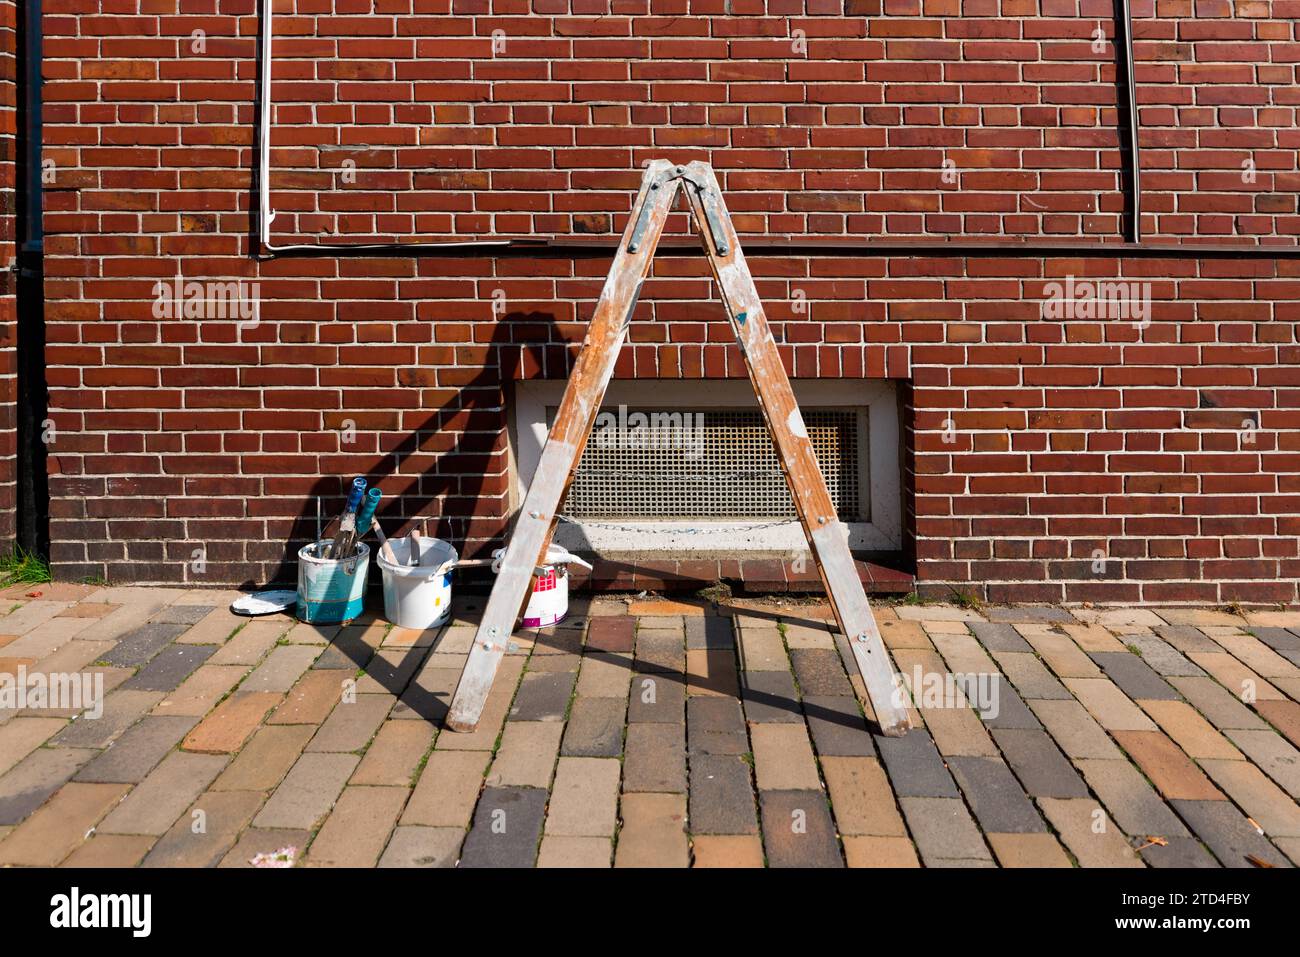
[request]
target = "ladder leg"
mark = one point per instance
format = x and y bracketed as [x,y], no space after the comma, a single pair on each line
[821,525]
[565,443]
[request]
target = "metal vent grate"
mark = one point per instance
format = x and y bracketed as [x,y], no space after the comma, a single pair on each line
[645,463]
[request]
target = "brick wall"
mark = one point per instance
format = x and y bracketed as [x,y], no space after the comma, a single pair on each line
[1049,457]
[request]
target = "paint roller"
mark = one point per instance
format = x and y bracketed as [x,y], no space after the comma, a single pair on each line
[345,539]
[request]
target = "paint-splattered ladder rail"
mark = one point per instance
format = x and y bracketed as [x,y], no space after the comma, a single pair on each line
[581,402]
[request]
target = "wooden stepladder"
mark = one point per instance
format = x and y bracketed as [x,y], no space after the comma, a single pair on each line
[581,403]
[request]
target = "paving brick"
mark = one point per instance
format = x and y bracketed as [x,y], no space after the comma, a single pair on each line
[656,758]
[156,802]
[1028,613]
[200,692]
[1009,709]
[711,673]
[861,798]
[1133,803]
[19,737]
[391,670]
[763,650]
[797,830]
[863,851]
[169,668]
[270,841]
[659,607]
[783,758]
[721,795]
[995,796]
[1092,838]
[595,728]
[1251,652]
[1038,763]
[605,675]
[1074,730]
[428,697]
[308,791]
[447,789]
[1273,755]
[1196,736]
[227,728]
[1000,637]
[1279,639]
[311,699]
[1222,708]
[224,815]
[1259,797]
[111,850]
[139,645]
[423,847]
[1236,677]
[1029,676]
[1163,658]
[1060,652]
[571,852]
[352,723]
[820,672]
[715,725]
[658,698]
[54,831]
[1109,705]
[727,850]
[1028,850]
[1134,677]
[358,827]
[653,833]
[914,766]
[45,639]
[527,755]
[1171,771]
[903,634]
[543,696]
[770,697]
[959,731]
[281,668]
[1186,639]
[584,797]
[1226,832]
[708,633]
[660,652]
[837,726]
[135,753]
[1283,715]
[250,644]
[265,759]
[507,825]
[943,831]
[26,787]
[217,625]
[936,612]
[614,633]
[799,635]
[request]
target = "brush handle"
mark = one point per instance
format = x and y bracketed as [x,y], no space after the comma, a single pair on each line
[347,533]
[385,548]
[367,510]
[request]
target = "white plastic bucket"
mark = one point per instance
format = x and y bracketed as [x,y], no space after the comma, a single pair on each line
[549,603]
[418,596]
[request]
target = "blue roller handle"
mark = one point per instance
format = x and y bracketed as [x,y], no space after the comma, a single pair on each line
[367,511]
[354,496]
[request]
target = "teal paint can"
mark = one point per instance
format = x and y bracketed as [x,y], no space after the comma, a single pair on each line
[331,591]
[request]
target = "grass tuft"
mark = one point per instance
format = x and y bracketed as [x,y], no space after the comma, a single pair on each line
[21,566]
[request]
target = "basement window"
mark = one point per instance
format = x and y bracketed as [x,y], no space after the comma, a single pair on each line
[688,466]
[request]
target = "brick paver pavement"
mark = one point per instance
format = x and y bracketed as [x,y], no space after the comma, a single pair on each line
[650,733]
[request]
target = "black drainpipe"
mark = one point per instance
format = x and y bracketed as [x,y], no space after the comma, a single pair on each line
[33,531]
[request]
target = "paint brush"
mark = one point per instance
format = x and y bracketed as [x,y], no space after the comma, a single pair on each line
[385,548]
[415,546]
[346,537]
